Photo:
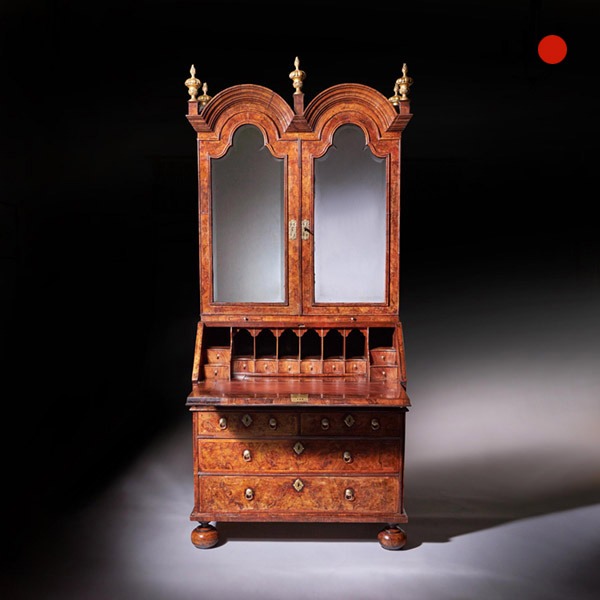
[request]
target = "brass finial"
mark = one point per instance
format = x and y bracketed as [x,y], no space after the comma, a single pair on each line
[404,83]
[297,76]
[395,99]
[193,84]
[205,97]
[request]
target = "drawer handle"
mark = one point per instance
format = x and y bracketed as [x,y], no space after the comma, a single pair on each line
[218,356]
[347,457]
[325,424]
[247,420]
[222,423]
[247,455]
[349,420]
[249,494]
[273,423]
[333,368]
[349,494]
[289,367]
[216,372]
[375,424]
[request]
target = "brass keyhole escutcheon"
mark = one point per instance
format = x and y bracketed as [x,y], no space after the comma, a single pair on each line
[349,420]
[273,423]
[247,420]
[222,423]
[249,494]
[325,424]
[247,455]
[298,448]
[298,485]
[374,424]
[349,494]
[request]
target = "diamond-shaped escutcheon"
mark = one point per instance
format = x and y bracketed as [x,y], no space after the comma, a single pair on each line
[247,420]
[349,420]
[298,485]
[298,448]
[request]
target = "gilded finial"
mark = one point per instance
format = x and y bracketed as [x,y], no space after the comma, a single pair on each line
[205,97]
[297,76]
[193,84]
[395,99]
[404,83]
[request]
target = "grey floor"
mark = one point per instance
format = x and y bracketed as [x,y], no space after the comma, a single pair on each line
[502,481]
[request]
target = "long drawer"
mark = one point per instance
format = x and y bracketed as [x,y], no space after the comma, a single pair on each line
[298,494]
[298,455]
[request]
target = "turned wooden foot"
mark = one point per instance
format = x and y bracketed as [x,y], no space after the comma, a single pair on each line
[392,538]
[205,536]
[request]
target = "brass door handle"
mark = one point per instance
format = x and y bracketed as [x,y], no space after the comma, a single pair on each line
[273,423]
[349,494]
[325,424]
[247,455]
[347,457]
[222,423]
[249,494]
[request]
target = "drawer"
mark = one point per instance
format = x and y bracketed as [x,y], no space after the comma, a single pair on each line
[298,456]
[220,355]
[266,365]
[243,365]
[384,356]
[311,366]
[352,423]
[249,493]
[289,365]
[245,424]
[384,373]
[333,365]
[214,371]
[357,366]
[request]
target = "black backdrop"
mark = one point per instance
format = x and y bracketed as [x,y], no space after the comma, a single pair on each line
[98,226]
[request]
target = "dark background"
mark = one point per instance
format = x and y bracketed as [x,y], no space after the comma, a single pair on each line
[98,258]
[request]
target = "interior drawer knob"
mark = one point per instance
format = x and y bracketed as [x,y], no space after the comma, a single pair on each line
[273,423]
[247,455]
[249,494]
[349,494]
[222,423]
[325,424]
[347,457]
[375,424]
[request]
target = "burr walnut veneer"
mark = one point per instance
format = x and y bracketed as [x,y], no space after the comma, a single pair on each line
[298,393]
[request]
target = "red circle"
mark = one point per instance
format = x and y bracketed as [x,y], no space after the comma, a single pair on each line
[552,49]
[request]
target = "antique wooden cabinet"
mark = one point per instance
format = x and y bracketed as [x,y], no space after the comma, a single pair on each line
[298,393]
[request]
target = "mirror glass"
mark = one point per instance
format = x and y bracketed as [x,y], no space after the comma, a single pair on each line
[248,221]
[350,231]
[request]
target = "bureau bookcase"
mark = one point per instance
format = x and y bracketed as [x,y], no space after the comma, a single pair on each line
[298,395]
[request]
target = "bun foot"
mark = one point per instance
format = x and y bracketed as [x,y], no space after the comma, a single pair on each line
[392,538]
[205,536]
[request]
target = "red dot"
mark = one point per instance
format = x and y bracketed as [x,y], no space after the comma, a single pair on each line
[552,49]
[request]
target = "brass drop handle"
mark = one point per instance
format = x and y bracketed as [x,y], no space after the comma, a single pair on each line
[218,356]
[347,457]
[216,372]
[222,423]
[374,424]
[325,424]
[249,494]
[273,423]
[247,455]
[349,494]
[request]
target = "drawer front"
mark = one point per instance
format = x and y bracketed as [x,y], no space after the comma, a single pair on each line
[311,366]
[214,371]
[334,366]
[384,373]
[384,356]
[220,355]
[357,366]
[243,365]
[266,365]
[245,424]
[298,455]
[289,365]
[298,494]
[352,423]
